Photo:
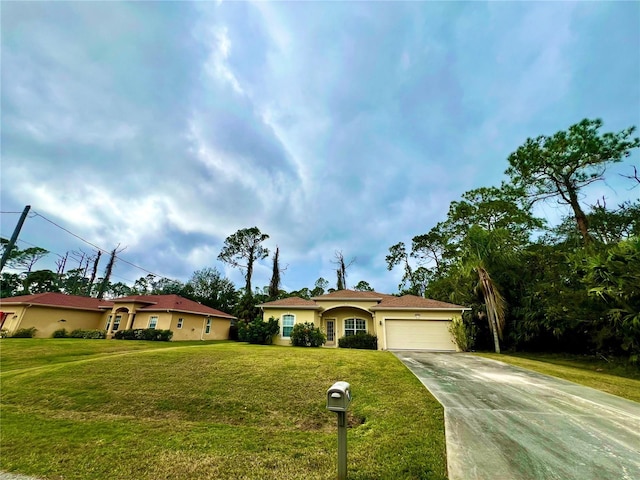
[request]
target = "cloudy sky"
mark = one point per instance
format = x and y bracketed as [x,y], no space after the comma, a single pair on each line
[166,127]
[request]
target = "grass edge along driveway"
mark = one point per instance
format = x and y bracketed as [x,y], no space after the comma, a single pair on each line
[222,410]
[614,377]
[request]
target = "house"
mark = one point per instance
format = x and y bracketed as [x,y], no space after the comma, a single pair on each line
[404,323]
[48,312]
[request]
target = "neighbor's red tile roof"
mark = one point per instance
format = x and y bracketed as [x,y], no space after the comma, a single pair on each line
[58,300]
[296,302]
[171,302]
[352,295]
[413,302]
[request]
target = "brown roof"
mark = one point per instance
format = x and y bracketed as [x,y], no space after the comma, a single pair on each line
[296,302]
[61,300]
[414,302]
[352,295]
[171,302]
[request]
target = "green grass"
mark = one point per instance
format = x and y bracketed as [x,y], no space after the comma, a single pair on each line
[613,376]
[96,409]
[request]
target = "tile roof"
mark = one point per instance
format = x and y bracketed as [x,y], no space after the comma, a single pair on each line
[52,299]
[413,302]
[352,295]
[171,302]
[292,302]
[154,303]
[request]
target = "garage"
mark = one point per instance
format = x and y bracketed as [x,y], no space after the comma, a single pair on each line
[419,334]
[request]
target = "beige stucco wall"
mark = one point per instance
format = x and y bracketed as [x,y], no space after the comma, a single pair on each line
[382,316]
[300,316]
[341,313]
[48,319]
[193,327]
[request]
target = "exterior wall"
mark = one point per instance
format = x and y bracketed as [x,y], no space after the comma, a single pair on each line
[301,316]
[384,315]
[142,320]
[340,314]
[193,327]
[48,319]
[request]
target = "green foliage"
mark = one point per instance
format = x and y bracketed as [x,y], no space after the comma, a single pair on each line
[151,334]
[25,333]
[4,333]
[209,287]
[88,334]
[258,331]
[464,333]
[363,286]
[242,249]
[361,340]
[60,333]
[307,335]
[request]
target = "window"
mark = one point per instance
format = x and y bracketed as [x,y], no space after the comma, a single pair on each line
[180,320]
[287,325]
[354,325]
[208,327]
[116,322]
[153,321]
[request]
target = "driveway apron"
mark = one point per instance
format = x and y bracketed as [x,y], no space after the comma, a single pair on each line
[507,423]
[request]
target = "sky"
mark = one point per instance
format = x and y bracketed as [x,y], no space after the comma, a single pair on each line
[331,126]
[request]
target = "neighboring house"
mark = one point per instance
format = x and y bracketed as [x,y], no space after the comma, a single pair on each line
[48,312]
[408,322]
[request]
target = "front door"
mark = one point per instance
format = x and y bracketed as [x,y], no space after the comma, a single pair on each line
[331,332]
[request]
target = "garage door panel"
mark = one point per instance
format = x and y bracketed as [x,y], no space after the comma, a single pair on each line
[419,335]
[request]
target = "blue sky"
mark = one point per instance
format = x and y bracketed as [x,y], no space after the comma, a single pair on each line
[166,127]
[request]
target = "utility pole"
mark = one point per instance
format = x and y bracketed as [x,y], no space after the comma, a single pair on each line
[14,237]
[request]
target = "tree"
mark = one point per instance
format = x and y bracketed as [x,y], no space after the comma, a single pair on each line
[107,272]
[41,281]
[561,165]
[27,258]
[209,287]
[274,284]
[341,271]
[363,286]
[242,249]
[319,287]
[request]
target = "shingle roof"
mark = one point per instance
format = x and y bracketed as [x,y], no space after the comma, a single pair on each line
[171,302]
[414,302]
[352,295]
[296,302]
[52,299]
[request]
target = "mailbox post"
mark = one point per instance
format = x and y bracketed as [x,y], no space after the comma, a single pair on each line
[338,399]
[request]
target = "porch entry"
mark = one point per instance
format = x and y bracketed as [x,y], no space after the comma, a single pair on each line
[331,332]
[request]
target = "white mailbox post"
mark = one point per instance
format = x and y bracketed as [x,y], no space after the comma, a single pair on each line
[338,399]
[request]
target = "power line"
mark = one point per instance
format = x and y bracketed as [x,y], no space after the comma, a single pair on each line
[99,248]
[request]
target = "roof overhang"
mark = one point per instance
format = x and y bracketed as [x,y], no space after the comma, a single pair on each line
[422,309]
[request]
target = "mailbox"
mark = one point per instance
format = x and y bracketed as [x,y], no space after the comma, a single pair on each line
[339,397]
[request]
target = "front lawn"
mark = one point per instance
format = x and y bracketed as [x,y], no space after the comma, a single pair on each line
[149,410]
[612,376]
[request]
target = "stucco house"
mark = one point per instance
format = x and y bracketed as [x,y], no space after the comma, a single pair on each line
[48,312]
[407,322]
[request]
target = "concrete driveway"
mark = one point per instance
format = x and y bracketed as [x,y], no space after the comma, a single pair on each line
[507,423]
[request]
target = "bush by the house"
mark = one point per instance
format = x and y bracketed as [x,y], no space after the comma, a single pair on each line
[363,341]
[464,333]
[4,333]
[88,334]
[60,333]
[258,331]
[151,334]
[233,332]
[25,333]
[307,335]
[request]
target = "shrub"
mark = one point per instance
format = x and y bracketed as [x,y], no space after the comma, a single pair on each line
[150,334]
[88,334]
[307,335]
[4,333]
[464,333]
[25,332]
[61,333]
[258,332]
[233,332]
[363,341]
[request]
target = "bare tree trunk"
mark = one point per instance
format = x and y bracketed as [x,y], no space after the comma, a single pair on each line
[93,273]
[107,273]
[579,215]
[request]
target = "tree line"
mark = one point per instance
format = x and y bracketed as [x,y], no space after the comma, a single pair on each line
[571,287]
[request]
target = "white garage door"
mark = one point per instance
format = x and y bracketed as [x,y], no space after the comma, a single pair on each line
[419,335]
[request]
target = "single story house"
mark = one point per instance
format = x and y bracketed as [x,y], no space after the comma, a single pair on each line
[48,312]
[400,323]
